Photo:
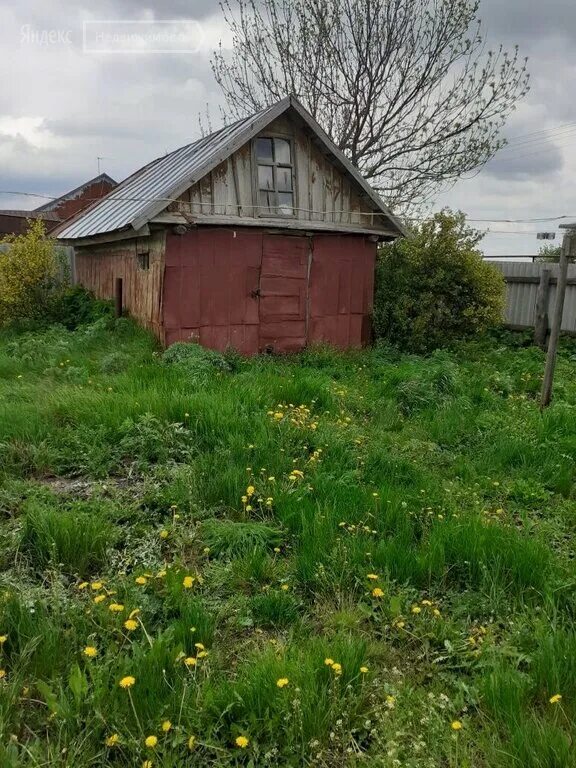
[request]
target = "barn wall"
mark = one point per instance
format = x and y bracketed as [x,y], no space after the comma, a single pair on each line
[341,294]
[209,280]
[323,192]
[98,266]
[253,290]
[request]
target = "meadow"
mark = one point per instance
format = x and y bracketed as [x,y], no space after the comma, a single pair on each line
[327,560]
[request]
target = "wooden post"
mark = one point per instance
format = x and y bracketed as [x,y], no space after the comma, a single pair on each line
[118,297]
[557,318]
[541,321]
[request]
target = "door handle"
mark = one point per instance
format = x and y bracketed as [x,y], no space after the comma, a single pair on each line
[255,293]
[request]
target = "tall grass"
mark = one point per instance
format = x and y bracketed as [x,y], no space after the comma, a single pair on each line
[409,520]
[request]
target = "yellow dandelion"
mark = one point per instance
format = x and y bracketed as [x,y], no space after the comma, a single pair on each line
[99,599]
[151,741]
[127,682]
[416,609]
[201,654]
[372,576]
[191,742]
[163,533]
[282,682]
[147,764]
[199,646]
[83,585]
[131,624]
[3,639]
[112,740]
[187,582]
[2,674]
[364,670]
[166,725]
[555,699]
[116,607]
[377,592]
[190,661]
[90,651]
[337,668]
[96,585]
[242,742]
[456,725]
[285,587]
[328,661]
[141,580]
[250,490]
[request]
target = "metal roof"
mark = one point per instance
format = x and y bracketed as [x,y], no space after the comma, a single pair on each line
[54,203]
[146,193]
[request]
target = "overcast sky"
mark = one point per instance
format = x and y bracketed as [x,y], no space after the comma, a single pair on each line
[61,107]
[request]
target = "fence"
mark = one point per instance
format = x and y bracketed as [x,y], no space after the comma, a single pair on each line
[531,294]
[65,260]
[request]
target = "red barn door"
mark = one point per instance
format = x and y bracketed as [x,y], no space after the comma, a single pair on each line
[284,292]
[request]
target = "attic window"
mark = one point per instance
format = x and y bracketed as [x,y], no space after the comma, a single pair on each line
[143,260]
[275,179]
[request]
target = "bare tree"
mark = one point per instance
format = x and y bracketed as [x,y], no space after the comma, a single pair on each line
[406,88]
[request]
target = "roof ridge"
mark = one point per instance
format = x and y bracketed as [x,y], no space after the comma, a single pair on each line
[148,191]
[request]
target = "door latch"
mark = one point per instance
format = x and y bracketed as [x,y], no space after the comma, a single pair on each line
[255,293]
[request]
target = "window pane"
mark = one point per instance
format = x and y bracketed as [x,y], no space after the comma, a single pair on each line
[284,177]
[264,199]
[285,203]
[265,177]
[282,151]
[264,149]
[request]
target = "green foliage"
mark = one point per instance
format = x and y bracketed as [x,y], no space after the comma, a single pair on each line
[226,537]
[409,518]
[433,287]
[198,362]
[549,253]
[75,306]
[74,541]
[29,270]
[274,609]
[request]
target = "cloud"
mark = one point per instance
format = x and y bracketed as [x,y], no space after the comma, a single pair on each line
[522,20]
[72,107]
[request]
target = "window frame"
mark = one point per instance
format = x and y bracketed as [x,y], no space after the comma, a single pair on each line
[143,260]
[273,212]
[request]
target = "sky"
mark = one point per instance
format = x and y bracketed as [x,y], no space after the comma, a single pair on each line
[68,98]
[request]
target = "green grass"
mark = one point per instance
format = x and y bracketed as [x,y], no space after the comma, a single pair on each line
[239,514]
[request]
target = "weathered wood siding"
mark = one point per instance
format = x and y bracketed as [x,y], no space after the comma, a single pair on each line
[522,287]
[323,192]
[97,267]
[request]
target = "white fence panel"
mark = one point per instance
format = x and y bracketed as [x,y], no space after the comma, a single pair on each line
[522,282]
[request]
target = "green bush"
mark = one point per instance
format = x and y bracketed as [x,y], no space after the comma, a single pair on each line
[29,275]
[197,361]
[76,306]
[433,287]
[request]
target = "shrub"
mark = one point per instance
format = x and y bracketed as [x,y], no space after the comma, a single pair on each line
[433,287]
[76,306]
[115,362]
[29,270]
[197,361]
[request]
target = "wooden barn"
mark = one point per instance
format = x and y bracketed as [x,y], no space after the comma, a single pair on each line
[261,237]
